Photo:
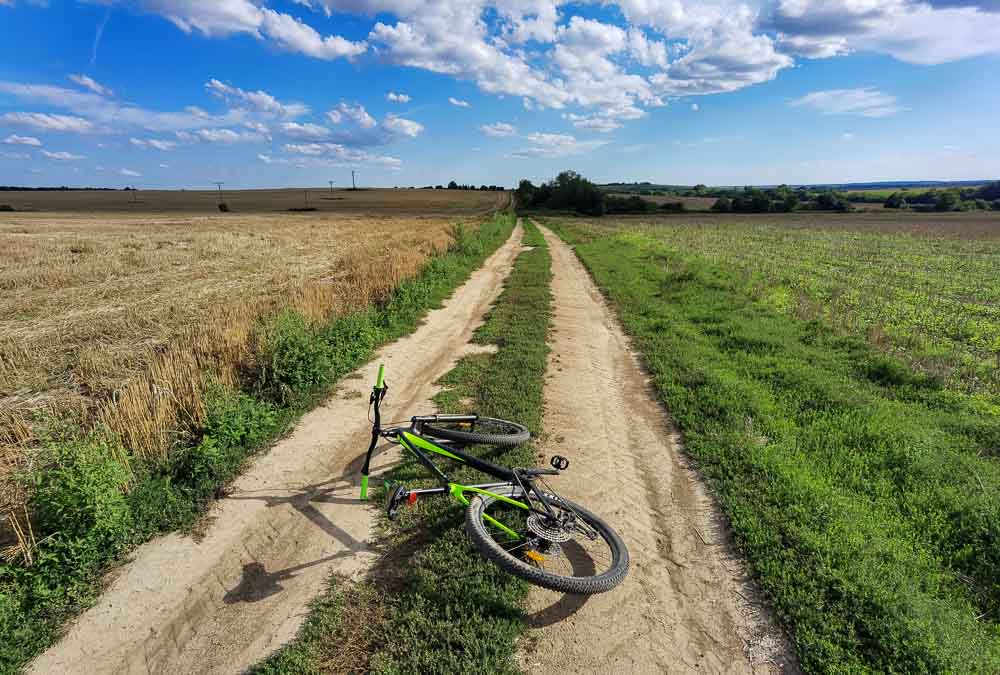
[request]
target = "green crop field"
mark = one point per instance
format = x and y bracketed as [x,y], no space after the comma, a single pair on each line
[837,387]
[931,299]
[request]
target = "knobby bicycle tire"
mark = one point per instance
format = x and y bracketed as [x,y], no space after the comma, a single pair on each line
[490,549]
[507,434]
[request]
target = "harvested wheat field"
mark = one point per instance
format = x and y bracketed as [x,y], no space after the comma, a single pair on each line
[322,199]
[120,320]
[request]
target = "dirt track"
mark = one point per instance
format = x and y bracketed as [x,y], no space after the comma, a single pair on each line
[221,604]
[687,604]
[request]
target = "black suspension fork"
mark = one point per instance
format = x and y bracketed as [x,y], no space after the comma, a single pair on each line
[378,393]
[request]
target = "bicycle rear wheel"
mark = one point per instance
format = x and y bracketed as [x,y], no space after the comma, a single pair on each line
[575,552]
[485,430]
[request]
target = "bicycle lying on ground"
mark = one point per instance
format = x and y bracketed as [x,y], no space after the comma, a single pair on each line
[518,523]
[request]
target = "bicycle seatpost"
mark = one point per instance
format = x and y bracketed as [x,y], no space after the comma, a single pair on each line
[378,393]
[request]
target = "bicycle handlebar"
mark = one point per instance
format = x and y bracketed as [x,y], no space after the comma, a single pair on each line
[380,381]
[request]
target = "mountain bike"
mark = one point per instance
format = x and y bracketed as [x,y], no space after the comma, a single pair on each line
[517,522]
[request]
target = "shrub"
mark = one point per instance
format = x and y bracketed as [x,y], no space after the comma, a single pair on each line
[672,207]
[568,190]
[722,205]
[78,495]
[989,192]
[224,207]
[633,204]
[7,207]
[293,361]
[896,200]
[948,200]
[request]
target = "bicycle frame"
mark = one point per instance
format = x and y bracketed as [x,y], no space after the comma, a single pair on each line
[422,448]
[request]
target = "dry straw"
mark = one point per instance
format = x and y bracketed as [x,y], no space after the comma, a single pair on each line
[122,322]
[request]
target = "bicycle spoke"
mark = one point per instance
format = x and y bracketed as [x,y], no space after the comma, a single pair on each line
[585,554]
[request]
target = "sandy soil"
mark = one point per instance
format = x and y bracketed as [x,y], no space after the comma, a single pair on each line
[687,604]
[222,604]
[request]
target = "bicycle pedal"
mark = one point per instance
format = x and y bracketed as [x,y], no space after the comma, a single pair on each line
[559,463]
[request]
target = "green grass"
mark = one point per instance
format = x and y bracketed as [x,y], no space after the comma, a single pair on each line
[866,496]
[933,301]
[86,522]
[439,607]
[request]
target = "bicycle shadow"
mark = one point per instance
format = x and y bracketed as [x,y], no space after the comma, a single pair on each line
[568,604]
[257,583]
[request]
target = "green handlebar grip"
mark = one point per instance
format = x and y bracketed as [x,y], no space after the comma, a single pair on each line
[364,487]
[381,376]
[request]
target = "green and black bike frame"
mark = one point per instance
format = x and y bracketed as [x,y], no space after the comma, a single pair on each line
[421,448]
[378,393]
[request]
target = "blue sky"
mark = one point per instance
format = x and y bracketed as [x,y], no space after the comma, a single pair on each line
[180,93]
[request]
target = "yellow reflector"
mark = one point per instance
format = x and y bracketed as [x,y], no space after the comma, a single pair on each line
[536,556]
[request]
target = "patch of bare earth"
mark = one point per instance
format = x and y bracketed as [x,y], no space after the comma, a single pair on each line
[687,604]
[223,603]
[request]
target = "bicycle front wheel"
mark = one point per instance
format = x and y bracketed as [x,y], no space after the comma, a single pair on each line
[485,430]
[570,551]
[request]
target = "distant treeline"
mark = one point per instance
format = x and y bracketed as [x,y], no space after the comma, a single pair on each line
[646,188]
[749,199]
[781,199]
[784,198]
[15,188]
[569,191]
[455,186]
[982,198]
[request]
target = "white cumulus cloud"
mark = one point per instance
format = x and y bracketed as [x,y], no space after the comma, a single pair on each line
[14,139]
[459,103]
[222,18]
[355,113]
[498,129]
[402,126]
[62,156]
[551,146]
[257,101]
[91,84]
[47,122]
[154,143]
[306,131]
[864,101]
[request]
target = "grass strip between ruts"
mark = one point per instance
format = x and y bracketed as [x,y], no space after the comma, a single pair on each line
[433,604]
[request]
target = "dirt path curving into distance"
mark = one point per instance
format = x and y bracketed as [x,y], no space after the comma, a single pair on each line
[686,605]
[222,604]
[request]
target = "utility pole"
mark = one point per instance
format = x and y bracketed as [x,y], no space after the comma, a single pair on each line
[135,195]
[220,191]
[307,199]
[353,183]
[331,187]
